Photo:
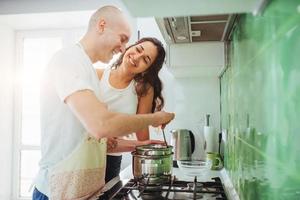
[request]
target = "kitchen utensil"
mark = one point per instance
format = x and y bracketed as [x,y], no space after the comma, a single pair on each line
[163,131]
[210,137]
[110,184]
[152,163]
[194,167]
[183,141]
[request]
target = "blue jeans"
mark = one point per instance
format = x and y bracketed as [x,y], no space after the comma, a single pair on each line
[113,167]
[37,195]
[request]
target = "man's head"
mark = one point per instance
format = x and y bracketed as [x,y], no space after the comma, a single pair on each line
[108,33]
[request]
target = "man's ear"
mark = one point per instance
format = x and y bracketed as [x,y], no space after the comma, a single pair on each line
[101,25]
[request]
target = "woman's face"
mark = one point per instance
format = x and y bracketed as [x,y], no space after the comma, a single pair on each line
[140,57]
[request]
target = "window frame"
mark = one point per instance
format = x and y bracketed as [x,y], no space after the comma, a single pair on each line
[68,36]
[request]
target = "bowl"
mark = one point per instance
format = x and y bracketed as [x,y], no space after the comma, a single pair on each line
[194,167]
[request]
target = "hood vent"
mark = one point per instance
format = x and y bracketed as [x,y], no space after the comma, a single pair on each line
[195,28]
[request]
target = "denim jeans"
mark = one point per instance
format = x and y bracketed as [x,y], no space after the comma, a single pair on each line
[113,167]
[37,195]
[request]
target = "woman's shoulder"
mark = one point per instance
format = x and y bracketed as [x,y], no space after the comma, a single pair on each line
[149,90]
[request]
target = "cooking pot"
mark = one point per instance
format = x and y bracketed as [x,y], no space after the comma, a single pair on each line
[152,163]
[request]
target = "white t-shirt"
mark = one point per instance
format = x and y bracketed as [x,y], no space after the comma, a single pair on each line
[70,70]
[123,100]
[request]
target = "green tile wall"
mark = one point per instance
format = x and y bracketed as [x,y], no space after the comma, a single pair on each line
[260,104]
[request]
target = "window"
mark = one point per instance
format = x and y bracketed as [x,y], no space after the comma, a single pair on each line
[34,49]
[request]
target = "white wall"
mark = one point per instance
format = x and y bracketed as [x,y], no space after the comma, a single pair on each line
[6,109]
[190,98]
[196,59]
[148,28]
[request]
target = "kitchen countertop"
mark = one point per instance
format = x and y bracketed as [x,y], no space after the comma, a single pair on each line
[230,191]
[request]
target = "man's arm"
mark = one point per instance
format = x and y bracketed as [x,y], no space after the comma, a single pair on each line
[100,122]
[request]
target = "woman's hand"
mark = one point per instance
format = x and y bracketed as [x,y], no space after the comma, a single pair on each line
[111,144]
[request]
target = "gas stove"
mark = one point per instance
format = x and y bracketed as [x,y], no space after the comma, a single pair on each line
[173,189]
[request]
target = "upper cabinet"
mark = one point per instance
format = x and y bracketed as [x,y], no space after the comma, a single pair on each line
[167,8]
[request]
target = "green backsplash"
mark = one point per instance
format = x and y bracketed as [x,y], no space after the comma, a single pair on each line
[260,104]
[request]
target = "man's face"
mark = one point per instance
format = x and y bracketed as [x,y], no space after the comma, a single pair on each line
[116,36]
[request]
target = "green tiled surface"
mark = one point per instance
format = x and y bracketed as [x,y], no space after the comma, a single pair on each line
[260,97]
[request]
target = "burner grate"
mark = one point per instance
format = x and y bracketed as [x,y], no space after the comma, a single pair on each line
[174,189]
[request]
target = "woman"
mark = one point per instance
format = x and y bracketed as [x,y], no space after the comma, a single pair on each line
[131,86]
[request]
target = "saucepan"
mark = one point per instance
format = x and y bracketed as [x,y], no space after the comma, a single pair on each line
[152,163]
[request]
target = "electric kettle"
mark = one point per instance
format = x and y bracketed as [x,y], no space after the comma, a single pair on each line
[183,142]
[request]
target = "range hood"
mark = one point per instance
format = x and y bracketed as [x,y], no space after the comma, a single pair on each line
[194,20]
[190,29]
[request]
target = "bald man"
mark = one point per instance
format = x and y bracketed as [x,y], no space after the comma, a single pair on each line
[74,122]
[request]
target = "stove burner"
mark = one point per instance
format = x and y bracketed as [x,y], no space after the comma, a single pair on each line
[174,189]
[196,187]
[153,180]
[153,196]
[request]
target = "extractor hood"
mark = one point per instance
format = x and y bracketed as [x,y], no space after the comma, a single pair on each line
[191,29]
[194,20]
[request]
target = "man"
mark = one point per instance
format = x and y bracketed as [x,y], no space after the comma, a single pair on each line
[74,123]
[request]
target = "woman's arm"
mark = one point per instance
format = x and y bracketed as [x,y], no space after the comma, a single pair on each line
[144,107]
[116,145]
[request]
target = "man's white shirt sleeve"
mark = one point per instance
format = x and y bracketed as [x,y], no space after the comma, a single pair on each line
[70,77]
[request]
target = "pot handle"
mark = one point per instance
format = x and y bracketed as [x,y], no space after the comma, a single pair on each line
[146,153]
[192,140]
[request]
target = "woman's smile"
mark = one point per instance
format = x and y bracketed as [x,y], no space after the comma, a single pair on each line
[132,61]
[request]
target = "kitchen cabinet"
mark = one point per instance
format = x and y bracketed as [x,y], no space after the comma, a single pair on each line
[145,8]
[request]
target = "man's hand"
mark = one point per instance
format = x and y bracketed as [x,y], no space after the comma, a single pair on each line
[162,118]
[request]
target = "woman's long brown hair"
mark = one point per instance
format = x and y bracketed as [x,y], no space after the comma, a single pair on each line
[150,77]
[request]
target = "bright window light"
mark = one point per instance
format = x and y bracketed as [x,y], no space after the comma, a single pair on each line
[36,55]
